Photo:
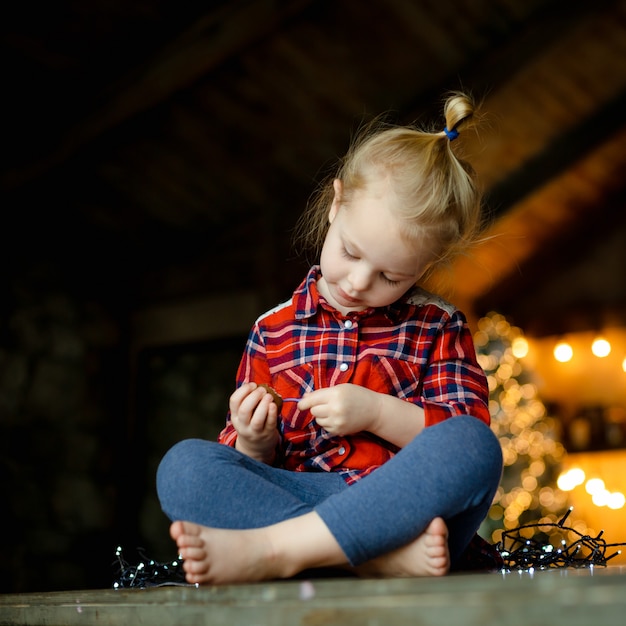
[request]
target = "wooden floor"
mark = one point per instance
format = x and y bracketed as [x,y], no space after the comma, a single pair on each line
[567,597]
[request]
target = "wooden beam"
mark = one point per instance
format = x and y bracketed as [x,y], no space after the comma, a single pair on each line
[525,42]
[573,282]
[558,156]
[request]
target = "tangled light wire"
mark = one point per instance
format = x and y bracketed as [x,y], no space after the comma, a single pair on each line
[147,573]
[524,554]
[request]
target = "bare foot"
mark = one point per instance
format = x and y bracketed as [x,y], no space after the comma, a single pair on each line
[428,555]
[221,556]
[218,556]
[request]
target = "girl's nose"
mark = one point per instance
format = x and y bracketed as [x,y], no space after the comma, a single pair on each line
[360,279]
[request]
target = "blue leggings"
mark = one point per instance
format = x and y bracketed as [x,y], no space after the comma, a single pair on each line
[450,470]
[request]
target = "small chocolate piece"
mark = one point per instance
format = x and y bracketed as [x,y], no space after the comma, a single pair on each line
[278,399]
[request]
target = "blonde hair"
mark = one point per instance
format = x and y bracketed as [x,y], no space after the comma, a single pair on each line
[436,192]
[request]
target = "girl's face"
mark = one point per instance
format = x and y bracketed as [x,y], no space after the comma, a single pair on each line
[366,261]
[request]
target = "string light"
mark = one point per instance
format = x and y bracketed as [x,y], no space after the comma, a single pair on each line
[519,552]
[527,434]
[595,487]
[601,347]
[519,347]
[147,573]
[571,479]
[563,352]
[531,487]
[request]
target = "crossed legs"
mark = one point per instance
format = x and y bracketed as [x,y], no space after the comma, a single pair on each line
[248,522]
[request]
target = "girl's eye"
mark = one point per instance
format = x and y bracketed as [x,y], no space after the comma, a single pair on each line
[345,253]
[391,283]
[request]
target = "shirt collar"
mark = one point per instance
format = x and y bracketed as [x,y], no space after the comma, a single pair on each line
[307,301]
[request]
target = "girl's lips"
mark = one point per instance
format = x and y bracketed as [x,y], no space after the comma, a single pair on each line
[345,297]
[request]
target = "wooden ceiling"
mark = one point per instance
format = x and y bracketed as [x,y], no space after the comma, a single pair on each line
[162,150]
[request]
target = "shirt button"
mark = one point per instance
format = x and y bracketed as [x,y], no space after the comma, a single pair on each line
[348,323]
[344,367]
[341,450]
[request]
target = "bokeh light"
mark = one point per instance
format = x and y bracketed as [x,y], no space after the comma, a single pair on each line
[563,352]
[601,347]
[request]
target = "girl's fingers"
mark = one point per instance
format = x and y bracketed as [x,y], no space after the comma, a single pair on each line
[250,402]
[272,416]
[312,398]
[261,411]
[320,411]
[239,395]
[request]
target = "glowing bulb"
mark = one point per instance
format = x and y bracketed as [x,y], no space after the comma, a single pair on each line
[601,498]
[601,347]
[594,485]
[616,500]
[570,479]
[563,352]
[519,346]
[624,365]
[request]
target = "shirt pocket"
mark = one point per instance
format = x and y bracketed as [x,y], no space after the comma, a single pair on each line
[397,377]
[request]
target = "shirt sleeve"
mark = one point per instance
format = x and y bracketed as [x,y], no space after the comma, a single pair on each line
[454,383]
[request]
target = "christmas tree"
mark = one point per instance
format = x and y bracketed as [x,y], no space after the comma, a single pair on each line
[528,435]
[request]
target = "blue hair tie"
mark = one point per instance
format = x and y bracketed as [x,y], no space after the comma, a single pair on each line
[451,134]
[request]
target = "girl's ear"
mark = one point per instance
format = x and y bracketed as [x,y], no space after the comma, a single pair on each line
[336,203]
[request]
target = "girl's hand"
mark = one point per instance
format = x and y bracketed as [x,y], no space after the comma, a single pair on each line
[254,416]
[344,409]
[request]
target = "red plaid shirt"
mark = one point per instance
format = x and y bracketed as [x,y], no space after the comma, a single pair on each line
[418,349]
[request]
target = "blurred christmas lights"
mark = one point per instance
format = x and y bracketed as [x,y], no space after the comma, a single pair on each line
[601,347]
[532,454]
[563,352]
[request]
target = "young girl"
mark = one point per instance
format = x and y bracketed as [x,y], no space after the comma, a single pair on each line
[384,464]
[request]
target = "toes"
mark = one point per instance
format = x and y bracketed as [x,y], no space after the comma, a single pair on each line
[176,529]
[193,553]
[179,528]
[437,527]
[195,568]
[186,534]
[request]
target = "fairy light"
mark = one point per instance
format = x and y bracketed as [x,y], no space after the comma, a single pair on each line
[525,430]
[148,573]
[571,479]
[601,347]
[563,352]
[594,486]
[519,346]
[601,496]
[526,554]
